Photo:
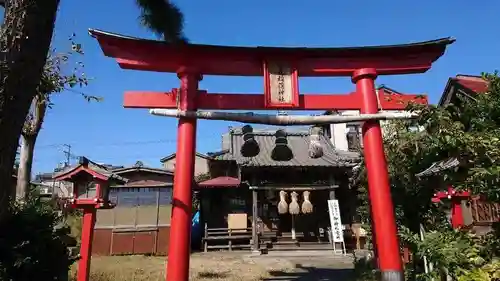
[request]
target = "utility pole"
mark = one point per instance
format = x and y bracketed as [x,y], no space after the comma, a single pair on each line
[67,153]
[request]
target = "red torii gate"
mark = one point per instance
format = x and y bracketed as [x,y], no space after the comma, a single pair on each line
[281,68]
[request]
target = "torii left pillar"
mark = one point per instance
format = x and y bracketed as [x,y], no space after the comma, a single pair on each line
[180,232]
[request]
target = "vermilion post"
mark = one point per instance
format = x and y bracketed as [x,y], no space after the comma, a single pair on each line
[382,208]
[180,226]
[88,223]
[457,216]
[456,198]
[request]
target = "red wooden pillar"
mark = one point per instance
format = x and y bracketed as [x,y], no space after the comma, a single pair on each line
[88,223]
[457,216]
[456,198]
[384,223]
[180,226]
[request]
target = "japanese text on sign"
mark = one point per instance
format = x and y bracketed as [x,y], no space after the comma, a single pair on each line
[335,221]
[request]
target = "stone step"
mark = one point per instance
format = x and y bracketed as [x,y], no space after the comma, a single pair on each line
[330,255]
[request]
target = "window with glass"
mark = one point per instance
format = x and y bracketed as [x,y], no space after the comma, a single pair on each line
[133,196]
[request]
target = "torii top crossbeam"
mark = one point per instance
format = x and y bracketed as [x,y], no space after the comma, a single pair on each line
[151,55]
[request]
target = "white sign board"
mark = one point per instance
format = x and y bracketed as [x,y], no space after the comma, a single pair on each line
[281,82]
[280,85]
[335,221]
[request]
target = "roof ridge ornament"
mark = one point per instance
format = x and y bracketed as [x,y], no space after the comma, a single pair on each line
[315,147]
[250,147]
[281,151]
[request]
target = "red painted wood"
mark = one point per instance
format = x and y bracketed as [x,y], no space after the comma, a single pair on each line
[215,101]
[456,197]
[180,226]
[88,223]
[140,54]
[457,216]
[381,204]
[80,169]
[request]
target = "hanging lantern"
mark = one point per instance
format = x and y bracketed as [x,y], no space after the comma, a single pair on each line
[281,150]
[315,147]
[294,207]
[250,147]
[282,205]
[307,206]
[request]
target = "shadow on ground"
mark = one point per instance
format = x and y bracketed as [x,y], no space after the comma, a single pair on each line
[212,275]
[311,273]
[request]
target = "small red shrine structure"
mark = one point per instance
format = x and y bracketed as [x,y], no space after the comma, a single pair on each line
[477,212]
[456,198]
[281,68]
[91,184]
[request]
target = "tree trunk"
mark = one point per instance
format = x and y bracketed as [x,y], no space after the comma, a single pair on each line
[24,43]
[25,165]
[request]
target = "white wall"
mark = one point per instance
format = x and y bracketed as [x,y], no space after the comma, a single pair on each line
[339,131]
[200,165]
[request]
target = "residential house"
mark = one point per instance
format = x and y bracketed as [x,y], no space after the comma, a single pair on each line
[347,136]
[200,166]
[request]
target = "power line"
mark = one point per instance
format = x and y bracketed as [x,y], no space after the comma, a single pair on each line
[124,143]
[122,158]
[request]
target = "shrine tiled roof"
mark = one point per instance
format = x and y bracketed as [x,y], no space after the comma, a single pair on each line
[474,83]
[220,182]
[298,143]
[97,168]
[471,84]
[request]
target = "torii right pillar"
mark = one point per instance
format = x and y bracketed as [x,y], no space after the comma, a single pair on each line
[382,208]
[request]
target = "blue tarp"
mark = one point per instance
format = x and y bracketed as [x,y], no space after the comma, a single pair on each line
[196,230]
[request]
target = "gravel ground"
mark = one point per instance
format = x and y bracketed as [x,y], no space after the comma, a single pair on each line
[225,266]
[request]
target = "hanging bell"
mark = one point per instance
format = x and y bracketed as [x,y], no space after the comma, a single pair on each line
[281,150]
[250,147]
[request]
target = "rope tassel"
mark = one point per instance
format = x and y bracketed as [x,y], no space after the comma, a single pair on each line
[307,206]
[282,205]
[294,207]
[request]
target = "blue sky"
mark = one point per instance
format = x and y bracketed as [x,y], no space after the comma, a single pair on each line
[106,132]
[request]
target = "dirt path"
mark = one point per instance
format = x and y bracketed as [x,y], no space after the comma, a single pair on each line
[226,267]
